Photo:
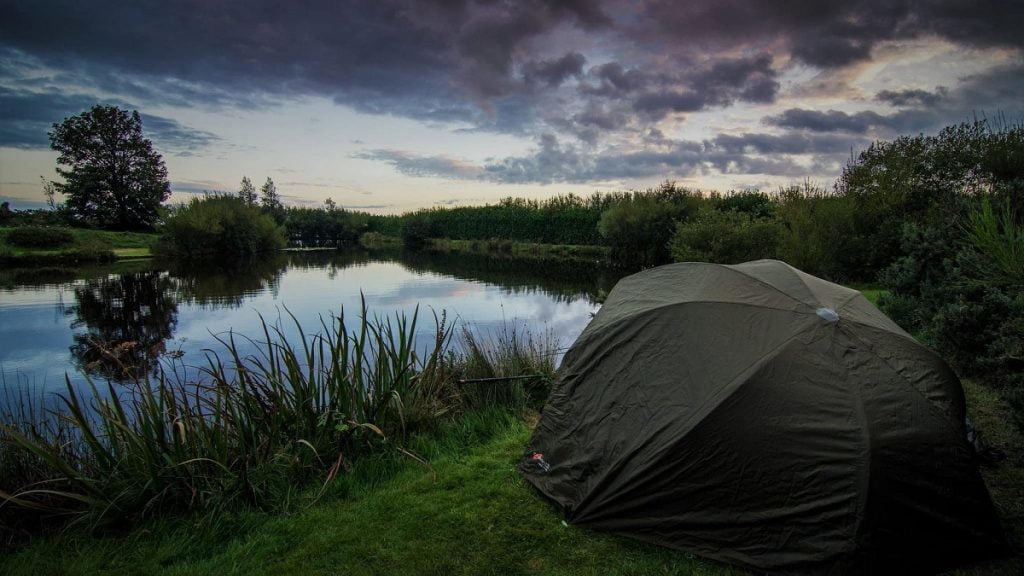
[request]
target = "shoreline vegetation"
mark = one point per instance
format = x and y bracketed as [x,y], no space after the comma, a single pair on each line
[287,454]
[261,431]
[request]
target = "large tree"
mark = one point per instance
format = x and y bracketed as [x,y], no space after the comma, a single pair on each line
[112,175]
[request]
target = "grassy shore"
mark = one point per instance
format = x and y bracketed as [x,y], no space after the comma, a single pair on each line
[468,512]
[86,245]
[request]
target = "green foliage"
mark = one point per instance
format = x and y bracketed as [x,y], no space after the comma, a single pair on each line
[39,237]
[924,179]
[385,225]
[753,203]
[1000,237]
[318,227]
[218,227]
[817,231]
[113,177]
[638,228]
[958,278]
[728,237]
[417,228]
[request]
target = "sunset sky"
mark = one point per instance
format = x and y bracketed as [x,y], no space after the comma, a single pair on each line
[388,106]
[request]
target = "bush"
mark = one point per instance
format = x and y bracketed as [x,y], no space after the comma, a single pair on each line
[319,227]
[218,226]
[725,238]
[817,231]
[40,237]
[417,228]
[638,228]
[754,203]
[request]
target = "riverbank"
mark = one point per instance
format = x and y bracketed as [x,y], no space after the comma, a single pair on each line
[526,250]
[467,512]
[83,245]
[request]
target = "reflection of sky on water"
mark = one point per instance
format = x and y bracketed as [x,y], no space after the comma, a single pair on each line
[35,333]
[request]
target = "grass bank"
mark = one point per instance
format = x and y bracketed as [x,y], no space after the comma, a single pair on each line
[468,512]
[74,246]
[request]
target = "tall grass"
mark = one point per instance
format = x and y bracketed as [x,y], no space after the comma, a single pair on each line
[258,430]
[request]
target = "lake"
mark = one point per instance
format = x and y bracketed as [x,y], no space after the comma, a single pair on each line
[132,317]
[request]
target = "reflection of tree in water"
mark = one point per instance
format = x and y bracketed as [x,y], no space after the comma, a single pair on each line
[127,319]
[227,285]
[564,281]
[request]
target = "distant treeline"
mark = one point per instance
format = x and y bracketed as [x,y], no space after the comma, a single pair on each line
[562,219]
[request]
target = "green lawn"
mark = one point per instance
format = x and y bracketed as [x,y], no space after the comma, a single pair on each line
[87,242]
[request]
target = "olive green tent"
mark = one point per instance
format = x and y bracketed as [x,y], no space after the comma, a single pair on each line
[760,416]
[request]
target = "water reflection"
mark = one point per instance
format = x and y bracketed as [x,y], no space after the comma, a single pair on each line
[119,321]
[122,323]
[214,286]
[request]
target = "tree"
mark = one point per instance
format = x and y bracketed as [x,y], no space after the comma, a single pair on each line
[269,198]
[247,192]
[113,176]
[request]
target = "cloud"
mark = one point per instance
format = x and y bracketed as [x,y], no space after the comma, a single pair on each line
[827,34]
[416,165]
[609,78]
[912,97]
[855,123]
[27,117]
[554,72]
[171,136]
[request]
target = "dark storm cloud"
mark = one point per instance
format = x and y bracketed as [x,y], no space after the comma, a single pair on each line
[912,97]
[830,34]
[789,143]
[26,118]
[613,80]
[170,135]
[599,73]
[718,85]
[856,123]
[554,72]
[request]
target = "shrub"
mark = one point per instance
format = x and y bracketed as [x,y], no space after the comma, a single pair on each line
[318,227]
[638,228]
[725,238]
[754,203]
[40,237]
[218,226]
[416,229]
[817,231]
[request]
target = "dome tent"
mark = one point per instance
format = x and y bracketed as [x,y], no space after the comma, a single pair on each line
[757,415]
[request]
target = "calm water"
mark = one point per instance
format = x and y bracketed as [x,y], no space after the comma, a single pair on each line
[55,322]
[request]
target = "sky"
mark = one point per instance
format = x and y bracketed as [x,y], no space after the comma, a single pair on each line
[388,106]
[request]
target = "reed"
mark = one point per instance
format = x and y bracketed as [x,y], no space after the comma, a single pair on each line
[269,429]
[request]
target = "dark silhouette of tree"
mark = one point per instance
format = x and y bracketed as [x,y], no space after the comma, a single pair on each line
[269,198]
[113,177]
[127,320]
[247,192]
